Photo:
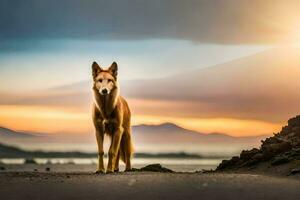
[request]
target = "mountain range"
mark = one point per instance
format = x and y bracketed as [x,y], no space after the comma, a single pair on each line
[161,133]
[166,134]
[6,133]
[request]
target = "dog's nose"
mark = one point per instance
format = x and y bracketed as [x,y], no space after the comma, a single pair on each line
[104,91]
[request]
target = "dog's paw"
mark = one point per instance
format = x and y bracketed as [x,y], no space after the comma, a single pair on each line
[109,171]
[116,170]
[131,170]
[100,171]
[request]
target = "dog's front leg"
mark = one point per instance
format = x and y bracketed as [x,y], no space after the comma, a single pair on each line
[113,150]
[100,138]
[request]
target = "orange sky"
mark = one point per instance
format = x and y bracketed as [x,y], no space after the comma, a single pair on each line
[58,120]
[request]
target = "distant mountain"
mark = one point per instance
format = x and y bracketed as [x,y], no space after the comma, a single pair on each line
[172,133]
[7,151]
[8,133]
[164,127]
[142,134]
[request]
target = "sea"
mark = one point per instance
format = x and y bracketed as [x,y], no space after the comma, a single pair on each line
[211,156]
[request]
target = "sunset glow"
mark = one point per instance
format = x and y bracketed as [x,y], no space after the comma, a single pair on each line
[57,120]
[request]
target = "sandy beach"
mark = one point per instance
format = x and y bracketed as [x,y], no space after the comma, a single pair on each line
[145,185]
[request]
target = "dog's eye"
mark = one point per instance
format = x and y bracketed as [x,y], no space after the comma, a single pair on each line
[109,80]
[100,80]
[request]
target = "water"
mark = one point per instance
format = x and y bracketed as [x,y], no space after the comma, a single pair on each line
[88,164]
[206,150]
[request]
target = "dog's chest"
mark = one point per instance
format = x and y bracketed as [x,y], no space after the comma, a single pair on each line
[109,126]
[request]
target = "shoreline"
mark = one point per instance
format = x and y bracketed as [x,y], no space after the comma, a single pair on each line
[262,170]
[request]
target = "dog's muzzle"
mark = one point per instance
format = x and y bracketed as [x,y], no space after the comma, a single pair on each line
[104,91]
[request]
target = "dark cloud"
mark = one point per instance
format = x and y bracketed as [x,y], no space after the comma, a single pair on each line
[214,21]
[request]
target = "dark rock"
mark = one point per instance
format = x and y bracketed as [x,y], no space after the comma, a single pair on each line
[295,171]
[2,168]
[155,168]
[294,121]
[296,130]
[205,171]
[270,140]
[271,150]
[30,161]
[296,151]
[228,164]
[258,157]
[150,168]
[285,130]
[280,160]
[281,148]
[248,154]
[47,169]
[133,170]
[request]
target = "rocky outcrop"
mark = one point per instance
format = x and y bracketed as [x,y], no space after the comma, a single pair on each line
[153,168]
[283,147]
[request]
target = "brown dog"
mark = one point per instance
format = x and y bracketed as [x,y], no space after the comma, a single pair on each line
[111,116]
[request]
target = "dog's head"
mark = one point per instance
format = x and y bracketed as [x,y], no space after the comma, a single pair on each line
[105,80]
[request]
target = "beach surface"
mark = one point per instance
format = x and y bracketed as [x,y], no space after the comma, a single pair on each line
[145,185]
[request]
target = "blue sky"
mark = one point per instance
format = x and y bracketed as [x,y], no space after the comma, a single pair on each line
[49,63]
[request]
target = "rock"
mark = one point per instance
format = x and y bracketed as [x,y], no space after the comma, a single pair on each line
[280,160]
[258,157]
[133,170]
[294,121]
[248,154]
[285,130]
[271,150]
[155,168]
[47,169]
[270,140]
[205,171]
[282,147]
[30,161]
[227,164]
[296,130]
[2,168]
[295,171]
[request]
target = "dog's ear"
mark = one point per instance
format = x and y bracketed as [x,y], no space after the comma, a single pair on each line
[114,69]
[96,69]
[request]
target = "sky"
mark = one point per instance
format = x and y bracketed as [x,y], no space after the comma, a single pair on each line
[206,65]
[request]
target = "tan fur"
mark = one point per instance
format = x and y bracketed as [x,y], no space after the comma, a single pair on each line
[111,115]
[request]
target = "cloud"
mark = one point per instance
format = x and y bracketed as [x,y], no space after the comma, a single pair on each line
[210,21]
[260,87]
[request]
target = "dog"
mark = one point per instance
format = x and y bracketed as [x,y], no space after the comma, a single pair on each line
[111,116]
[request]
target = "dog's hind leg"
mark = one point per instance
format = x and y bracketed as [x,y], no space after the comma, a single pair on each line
[117,162]
[128,149]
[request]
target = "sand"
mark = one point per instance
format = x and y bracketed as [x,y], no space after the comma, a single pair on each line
[145,185]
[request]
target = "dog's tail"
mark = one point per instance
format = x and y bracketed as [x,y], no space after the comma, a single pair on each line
[125,145]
